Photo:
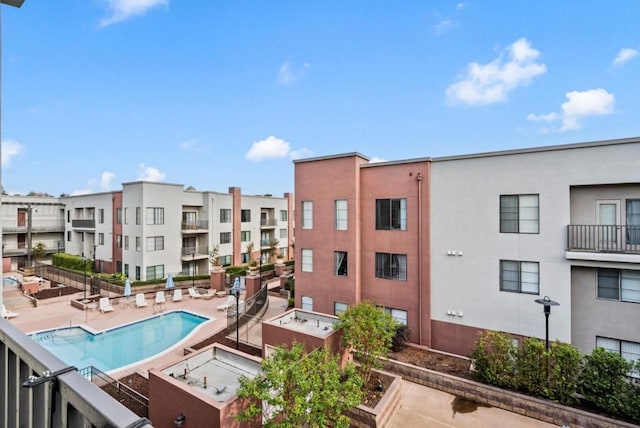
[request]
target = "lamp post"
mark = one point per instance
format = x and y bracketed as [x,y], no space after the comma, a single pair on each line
[58,244]
[547,302]
[236,290]
[84,266]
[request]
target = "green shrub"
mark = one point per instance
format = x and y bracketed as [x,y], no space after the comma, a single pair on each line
[494,358]
[604,384]
[565,370]
[400,338]
[532,364]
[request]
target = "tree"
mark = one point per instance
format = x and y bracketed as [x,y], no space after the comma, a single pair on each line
[39,251]
[214,256]
[298,389]
[273,246]
[369,331]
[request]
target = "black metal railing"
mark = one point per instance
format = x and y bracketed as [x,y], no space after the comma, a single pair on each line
[136,402]
[254,308]
[603,238]
[195,225]
[83,224]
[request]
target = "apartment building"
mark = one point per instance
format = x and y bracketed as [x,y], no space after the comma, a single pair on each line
[149,229]
[452,246]
[28,221]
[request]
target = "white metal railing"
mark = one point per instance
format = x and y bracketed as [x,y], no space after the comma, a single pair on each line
[39,390]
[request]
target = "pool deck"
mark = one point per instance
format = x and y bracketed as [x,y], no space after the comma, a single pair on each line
[58,312]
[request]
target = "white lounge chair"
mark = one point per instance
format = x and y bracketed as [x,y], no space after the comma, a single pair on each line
[105,305]
[177,295]
[194,293]
[7,314]
[227,304]
[160,299]
[141,302]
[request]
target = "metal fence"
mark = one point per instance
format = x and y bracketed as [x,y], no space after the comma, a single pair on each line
[604,238]
[254,309]
[136,402]
[94,284]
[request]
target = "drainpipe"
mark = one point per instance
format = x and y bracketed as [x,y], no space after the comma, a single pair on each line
[419,179]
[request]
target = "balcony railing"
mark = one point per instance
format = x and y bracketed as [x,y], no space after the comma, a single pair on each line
[268,222]
[195,225]
[83,224]
[36,226]
[39,390]
[603,238]
[198,251]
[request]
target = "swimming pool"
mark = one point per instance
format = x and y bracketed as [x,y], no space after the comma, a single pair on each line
[120,346]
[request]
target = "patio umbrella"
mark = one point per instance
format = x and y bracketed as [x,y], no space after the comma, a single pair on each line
[169,285]
[127,288]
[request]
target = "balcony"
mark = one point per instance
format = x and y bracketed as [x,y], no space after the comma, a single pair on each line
[196,253]
[83,224]
[37,226]
[201,226]
[35,378]
[268,223]
[615,243]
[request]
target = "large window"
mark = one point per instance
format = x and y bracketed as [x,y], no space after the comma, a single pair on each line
[633,221]
[307,214]
[245,216]
[622,285]
[284,216]
[118,215]
[391,214]
[630,351]
[339,307]
[155,243]
[138,216]
[307,260]
[283,234]
[519,277]
[101,215]
[126,242]
[225,237]
[119,241]
[519,214]
[155,272]
[155,215]
[225,215]
[100,238]
[340,263]
[307,303]
[138,243]
[126,216]
[341,214]
[138,273]
[391,266]
[397,314]
[245,236]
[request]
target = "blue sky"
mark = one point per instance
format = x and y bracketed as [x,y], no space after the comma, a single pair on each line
[216,94]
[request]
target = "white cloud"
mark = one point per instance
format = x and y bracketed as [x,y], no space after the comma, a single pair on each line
[188,144]
[442,26]
[376,159]
[625,55]
[578,107]
[460,6]
[269,148]
[149,173]
[300,153]
[81,192]
[10,149]
[121,10]
[492,82]
[288,75]
[105,180]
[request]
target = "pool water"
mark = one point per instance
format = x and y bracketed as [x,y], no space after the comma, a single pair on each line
[120,346]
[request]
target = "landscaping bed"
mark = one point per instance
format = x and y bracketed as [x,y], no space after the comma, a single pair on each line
[49,293]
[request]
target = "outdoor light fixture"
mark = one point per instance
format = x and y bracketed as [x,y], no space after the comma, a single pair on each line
[179,420]
[236,290]
[193,270]
[84,277]
[547,302]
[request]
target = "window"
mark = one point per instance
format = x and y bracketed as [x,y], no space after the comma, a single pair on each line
[155,272]
[155,243]
[307,260]
[225,215]
[622,285]
[155,215]
[119,241]
[245,216]
[397,314]
[118,266]
[244,258]
[307,214]
[100,238]
[519,277]
[341,214]
[519,214]
[69,236]
[284,216]
[340,263]
[391,266]
[118,215]
[126,270]
[630,351]
[339,307]
[126,242]
[138,243]
[284,233]
[633,221]
[245,236]
[225,260]
[101,215]
[138,216]
[137,273]
[68,216]
[225,237]
[391,214]
[126,216]
[307,303]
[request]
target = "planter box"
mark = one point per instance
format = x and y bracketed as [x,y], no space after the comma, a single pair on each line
[364,416]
